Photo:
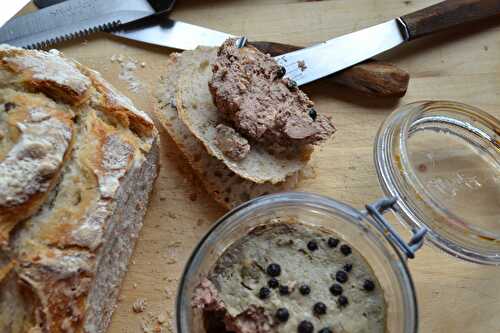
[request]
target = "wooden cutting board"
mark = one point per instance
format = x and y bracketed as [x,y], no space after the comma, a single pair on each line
[454,296]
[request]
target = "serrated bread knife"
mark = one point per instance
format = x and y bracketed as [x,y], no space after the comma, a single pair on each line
[154,29]
[76,18]
[302,66]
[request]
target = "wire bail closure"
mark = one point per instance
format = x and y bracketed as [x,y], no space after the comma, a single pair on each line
[376,211]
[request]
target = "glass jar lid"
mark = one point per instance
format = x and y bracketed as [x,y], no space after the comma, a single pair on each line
[441,160]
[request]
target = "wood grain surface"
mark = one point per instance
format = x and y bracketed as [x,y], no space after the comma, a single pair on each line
[453,296]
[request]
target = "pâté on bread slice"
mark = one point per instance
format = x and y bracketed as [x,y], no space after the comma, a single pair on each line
[224,185]
[182,102]
[199,113]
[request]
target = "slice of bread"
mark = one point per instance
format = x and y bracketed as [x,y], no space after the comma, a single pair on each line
[227,188]
[199,113]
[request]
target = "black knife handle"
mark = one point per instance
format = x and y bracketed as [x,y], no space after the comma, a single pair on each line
[160,6]
[46,3]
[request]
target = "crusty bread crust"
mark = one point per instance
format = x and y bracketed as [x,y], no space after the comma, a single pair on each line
[79,161]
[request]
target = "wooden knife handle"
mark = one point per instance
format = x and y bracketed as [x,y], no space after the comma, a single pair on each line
[372,77]
[447,14]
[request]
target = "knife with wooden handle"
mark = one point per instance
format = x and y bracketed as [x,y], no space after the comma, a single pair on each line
[324,59]
[375,78]
[307,65]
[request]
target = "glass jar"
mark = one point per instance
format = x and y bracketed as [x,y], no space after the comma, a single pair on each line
[442,161]
[439,165]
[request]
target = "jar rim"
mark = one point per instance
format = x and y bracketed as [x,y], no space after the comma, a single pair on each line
[398,177]
[306,200]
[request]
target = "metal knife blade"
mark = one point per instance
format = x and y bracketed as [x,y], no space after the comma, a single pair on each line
[174,34]
[10,9]
[71,19]
[163,31]
[312,63]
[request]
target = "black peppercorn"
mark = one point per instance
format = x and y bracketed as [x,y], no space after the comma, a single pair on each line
[312,245]
[341,277]
[305,289]
[345,249]
[284,290]
[273,283]
[282,314]
[281,72]
[368,285]
[348,267]
[9,106]
[319,309]
[325,330]
[333,242]
[313,114]
[273,270]
[336,289]
[342,301]
[305,327]
[264,293]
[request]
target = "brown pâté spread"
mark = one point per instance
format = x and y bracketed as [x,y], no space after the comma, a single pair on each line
[286,277]
[231,143]
[249,90]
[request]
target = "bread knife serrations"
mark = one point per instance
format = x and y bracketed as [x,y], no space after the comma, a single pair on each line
[71,19]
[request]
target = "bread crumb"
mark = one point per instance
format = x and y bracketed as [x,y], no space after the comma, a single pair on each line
[167,293]
[308,172]
[143,64]
[171,261]
[150,324]
[175,244]
[161,318]
[139,305]
[127,74]
[135,285]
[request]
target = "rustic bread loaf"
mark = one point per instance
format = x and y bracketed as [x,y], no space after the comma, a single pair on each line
[77,164]
[227,188]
